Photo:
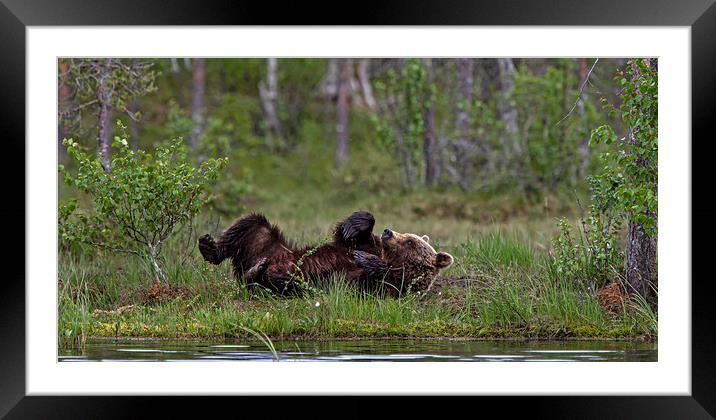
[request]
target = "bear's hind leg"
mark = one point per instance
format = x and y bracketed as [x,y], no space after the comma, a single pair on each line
[209,250]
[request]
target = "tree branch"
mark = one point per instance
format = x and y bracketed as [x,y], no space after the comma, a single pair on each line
[581,89]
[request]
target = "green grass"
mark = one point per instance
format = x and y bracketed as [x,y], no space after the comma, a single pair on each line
[500,285]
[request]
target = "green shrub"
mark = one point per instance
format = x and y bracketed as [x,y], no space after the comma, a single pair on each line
[136,206]
[592,256]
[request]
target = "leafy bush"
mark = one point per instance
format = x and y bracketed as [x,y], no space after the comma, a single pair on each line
[136,206]
[76,228]
[590,257]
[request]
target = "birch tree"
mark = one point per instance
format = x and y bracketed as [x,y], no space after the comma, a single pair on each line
[641,116]
[106,85]
[365,84]
[105,92]
[64,102]
[430,146]
[632,175]
[465,68]
[344,68]
[505,108]
[198,81]
[268,92]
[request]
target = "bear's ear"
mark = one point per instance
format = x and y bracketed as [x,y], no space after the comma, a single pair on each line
[426,238]
[443,260]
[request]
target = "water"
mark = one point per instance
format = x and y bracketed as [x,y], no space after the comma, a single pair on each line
[365,351]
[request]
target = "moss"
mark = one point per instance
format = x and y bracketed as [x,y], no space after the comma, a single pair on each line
[619,333]
[586,331]
[344,328]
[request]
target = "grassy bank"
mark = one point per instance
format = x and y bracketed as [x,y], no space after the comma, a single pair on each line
[500,286]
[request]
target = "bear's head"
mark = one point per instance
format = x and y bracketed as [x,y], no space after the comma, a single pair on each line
[412,254]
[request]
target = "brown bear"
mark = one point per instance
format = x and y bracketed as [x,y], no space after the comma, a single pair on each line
[392,263]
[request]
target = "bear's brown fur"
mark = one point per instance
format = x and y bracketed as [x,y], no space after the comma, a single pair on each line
[393,262]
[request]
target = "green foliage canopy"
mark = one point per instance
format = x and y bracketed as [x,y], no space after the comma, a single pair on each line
[630,177]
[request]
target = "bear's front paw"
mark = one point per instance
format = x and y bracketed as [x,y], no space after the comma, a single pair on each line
[356,225]
[364,259]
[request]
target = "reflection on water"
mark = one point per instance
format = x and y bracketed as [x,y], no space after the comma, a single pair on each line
[366,351]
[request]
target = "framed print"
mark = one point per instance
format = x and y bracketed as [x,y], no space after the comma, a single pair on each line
[403,206]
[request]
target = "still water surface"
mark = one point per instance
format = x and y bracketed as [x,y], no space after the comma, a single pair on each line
[365,351]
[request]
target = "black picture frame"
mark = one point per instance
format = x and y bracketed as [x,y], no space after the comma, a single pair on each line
[15,15]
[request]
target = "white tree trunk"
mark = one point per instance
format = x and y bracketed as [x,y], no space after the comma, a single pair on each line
[364,80]
[105,109]
[342,111]
[64,96]
[465,68]
[197,101]
[329,83]
[507,111]
[430,146]
[268,91]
